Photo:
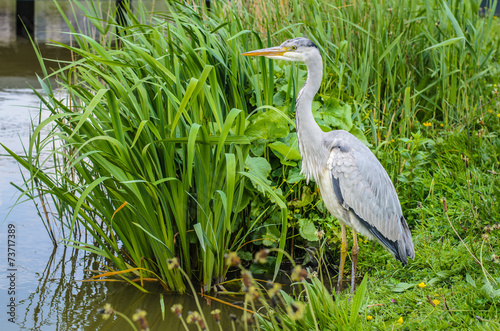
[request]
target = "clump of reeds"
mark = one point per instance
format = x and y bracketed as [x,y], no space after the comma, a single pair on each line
[149,148]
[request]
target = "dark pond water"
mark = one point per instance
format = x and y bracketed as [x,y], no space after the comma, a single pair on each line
[45,283]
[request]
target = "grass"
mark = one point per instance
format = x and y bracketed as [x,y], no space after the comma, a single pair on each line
[456,236]
[173,145]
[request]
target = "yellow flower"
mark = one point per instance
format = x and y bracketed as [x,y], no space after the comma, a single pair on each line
[138,315]
[177,309]
[498,115]
[435,302]
[490,110]
[369,318]
[400,320]
[107,311]
[441,124]
[427,124]
[422,285]
[298,274]
[173,263]
[296,310]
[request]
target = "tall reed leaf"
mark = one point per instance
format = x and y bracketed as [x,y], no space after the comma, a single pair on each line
[149,143]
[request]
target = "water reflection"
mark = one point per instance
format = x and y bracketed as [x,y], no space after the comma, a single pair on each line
[61,301]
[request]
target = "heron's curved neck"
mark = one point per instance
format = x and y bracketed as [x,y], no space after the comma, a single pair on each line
[313,82]
[309,134]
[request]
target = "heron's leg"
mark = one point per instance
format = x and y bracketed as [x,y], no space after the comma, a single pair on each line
[354,255]
[343,255]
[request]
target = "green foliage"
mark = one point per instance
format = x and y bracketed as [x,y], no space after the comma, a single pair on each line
[323,310]
[457,249]
[175,145]
[150,146]
[307,229]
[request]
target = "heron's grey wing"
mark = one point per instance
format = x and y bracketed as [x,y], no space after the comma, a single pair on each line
[362,186]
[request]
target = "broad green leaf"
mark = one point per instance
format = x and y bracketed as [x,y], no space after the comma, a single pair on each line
[284,151]
[279,98]
[260,168]
[294,176]
[306,198]
[267,125]
[307,229]
[401,287]
[272,236]
[335,115]
[356,132]
[247,256]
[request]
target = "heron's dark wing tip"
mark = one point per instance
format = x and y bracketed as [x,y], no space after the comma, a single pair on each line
[398,248]
[392,246]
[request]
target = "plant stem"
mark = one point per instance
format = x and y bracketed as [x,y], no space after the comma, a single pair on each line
[310,305]
[125,317]
[468,250]
[194,294]
[184,323]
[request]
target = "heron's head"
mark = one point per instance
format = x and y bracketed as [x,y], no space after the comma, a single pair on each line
[297,49]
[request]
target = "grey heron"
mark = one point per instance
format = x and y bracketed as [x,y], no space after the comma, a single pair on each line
[354,186]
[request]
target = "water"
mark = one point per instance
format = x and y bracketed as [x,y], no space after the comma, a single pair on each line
[49,293]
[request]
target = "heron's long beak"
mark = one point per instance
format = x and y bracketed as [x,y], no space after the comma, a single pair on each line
[271,51]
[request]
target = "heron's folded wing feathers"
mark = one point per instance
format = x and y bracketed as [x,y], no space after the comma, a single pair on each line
[367,190]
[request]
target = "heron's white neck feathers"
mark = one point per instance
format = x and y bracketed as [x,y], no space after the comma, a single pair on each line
[309,134]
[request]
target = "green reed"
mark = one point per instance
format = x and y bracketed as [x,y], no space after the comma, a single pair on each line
[149,144]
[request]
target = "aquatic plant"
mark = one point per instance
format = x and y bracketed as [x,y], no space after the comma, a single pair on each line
[149,146]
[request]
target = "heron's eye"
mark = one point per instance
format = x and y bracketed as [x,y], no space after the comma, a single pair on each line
[293,48]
